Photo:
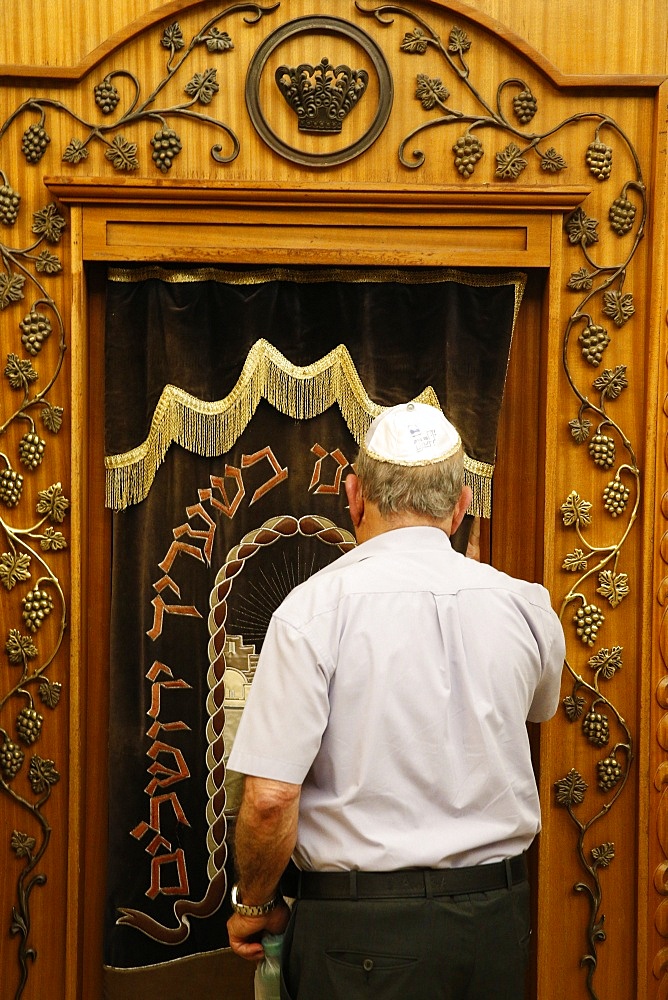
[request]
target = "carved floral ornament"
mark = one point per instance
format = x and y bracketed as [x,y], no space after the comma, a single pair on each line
[506,127]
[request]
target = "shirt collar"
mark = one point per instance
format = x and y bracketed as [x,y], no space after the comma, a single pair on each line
[420,536]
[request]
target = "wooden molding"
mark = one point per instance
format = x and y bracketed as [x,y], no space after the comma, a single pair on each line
[482,197]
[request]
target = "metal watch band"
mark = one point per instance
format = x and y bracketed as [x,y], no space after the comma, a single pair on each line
[258,910]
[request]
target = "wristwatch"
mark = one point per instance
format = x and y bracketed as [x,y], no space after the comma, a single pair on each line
[259,910]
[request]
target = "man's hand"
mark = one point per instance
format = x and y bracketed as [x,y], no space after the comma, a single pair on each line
[245,933]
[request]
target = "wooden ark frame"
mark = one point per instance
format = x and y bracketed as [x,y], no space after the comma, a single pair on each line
[379,215]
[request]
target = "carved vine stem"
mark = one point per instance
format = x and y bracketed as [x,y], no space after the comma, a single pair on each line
[603,294]
[24,268]
[201,89]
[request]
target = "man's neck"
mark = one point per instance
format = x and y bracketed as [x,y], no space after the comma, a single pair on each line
[373,523]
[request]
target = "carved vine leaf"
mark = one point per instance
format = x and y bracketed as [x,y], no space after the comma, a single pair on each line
[49,692]
[574,707]
[580,429]
[552,161]
[42,774]
[459,41]
[52,417]
[19,926]
[172,37]
[581,229]
[607,661]
[575,510]
[430,92]
[75,152]
[603,855]
[22,844]
[618,307]
[19,372]
[53,503]
[217,41]
[571,789]
[11,289]
[48,263]
[613,586]
[123,154]
[415,42]
[203,86]
[19,647]
[52,540]
[14,567]
[580,281]
[49,223]
[510,163]
[612,381]
[575,561]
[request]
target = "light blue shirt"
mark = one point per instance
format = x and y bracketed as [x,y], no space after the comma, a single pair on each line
[394,686]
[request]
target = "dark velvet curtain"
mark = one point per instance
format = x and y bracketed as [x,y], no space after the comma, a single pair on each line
[203,560]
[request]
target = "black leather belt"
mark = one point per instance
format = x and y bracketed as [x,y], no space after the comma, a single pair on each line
[407,882]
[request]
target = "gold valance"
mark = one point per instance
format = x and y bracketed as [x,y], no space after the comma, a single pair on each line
[210,428]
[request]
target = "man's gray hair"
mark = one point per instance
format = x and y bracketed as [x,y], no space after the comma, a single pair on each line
[431,490]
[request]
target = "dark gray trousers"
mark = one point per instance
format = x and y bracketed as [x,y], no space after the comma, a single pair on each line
[469,947]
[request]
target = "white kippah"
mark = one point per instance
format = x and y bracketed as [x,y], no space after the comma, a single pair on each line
[411,434]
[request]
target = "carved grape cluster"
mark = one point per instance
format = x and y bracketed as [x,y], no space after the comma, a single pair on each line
[11,486]
[166,145]
[37,605]
[106,97]
[34,143]
[468,151]
[9,205]
[609,773]
[615,497]
[36,328]
[594,340]
[29,725]
[599,160]
[596,728]
[622,213]
[31,450]
[525,106]
[588,620]
[11,759]
[602,450]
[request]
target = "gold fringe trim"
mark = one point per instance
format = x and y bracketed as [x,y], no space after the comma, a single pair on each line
[211,428]
[319,275]
[478,475]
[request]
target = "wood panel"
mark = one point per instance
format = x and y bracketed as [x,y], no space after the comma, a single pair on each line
[575,37]
[376,208]
[321,237]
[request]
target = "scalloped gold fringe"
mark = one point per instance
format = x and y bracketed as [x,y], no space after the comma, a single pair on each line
[211,428]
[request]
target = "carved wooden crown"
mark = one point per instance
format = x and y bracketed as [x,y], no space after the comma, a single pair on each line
[321,96]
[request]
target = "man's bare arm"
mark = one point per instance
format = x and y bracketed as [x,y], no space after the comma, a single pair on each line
[265,838]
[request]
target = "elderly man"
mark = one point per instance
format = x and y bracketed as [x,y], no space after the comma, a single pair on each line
[385,748]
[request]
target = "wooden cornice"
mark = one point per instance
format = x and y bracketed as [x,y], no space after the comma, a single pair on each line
[138,191]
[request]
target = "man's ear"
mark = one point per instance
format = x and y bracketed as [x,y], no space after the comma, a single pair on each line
[355,498]
[461,507]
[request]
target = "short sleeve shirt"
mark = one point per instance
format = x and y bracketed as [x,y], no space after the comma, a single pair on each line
[394,686]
